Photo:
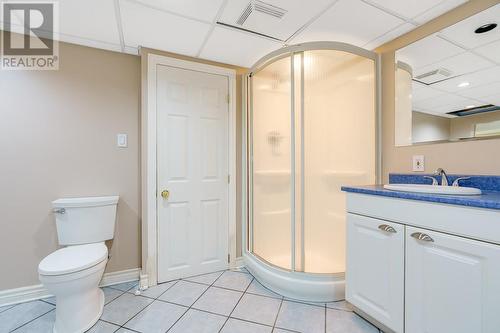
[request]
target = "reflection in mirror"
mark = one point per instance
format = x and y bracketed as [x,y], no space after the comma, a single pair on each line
[448,83]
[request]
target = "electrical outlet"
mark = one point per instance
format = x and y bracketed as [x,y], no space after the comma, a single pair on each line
[418,163]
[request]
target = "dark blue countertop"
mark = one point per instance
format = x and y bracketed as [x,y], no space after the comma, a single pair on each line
[489,185]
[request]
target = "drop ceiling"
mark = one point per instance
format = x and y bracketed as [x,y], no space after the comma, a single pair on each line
[472,59]
[209,29]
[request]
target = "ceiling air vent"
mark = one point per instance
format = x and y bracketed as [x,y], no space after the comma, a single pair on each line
[434,76]
[260,7]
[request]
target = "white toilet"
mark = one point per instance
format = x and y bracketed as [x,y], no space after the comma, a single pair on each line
[72,274]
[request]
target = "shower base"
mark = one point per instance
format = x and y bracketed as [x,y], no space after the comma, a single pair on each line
[297,285]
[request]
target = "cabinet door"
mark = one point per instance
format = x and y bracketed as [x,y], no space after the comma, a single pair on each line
[375,269]
[452,284]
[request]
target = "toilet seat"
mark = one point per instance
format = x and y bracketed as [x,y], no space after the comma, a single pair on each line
[72,259]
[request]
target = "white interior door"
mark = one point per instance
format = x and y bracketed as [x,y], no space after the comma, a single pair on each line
[192,165]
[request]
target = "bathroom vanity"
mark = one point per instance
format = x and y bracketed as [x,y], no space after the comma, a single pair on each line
[425,263]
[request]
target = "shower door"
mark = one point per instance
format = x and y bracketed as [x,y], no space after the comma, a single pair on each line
[311,129]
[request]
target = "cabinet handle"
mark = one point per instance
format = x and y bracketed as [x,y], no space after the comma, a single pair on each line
[387,228]
[422,237]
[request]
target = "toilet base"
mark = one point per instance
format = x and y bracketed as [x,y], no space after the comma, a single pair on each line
[93,321]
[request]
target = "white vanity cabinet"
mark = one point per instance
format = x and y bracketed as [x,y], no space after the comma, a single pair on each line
[452,284]
[421,267]
[375,269]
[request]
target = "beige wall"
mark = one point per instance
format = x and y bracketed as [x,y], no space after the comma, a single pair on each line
[464,127]
[58,139]
[476,157]
[427,127]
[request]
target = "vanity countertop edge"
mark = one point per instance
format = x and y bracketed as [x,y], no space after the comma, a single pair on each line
[489,185]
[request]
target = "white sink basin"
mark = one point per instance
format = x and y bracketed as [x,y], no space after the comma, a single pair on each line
[433,189]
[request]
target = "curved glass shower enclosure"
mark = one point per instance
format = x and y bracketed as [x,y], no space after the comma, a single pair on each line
[311,128]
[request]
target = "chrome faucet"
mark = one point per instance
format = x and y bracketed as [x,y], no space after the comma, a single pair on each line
[444,178]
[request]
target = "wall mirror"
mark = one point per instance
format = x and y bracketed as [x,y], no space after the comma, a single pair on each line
[448,83]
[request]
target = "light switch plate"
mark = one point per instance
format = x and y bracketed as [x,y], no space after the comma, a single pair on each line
[121,140]
[418,163]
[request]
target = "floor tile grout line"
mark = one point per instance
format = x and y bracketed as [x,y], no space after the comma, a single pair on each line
[220,315]
[239,290]
[277,313]
[194,276]
[8,307]
[234,308]
[153,300]
[114,299]
[26,323]
[190,307]
[325,316]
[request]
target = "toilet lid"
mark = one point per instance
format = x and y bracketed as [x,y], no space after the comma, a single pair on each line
[73,259]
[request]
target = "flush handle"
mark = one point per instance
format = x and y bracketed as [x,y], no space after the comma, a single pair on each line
[165,194]
[422,237]
[387,228]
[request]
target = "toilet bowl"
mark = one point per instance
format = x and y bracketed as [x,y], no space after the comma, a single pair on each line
[72,273]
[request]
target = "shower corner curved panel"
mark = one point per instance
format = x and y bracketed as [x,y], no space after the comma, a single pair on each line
[303,106]
[297,285]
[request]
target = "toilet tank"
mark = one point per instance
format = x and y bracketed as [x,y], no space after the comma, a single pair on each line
[85,220]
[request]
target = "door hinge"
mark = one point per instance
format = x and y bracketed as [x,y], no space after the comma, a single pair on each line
[228,258]
[227,98]
[228,179]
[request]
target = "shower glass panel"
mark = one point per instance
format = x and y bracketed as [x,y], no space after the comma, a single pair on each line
[311,123]
[339,149]
[271,145]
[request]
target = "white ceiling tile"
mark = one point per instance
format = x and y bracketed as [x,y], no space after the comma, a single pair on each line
[419,54]
[463,63]
[490,51]
[424,92]
[433,102]
[475,79]
[443,7]
[349,21]
[394,33]
[456,104]
[89,19]
[90,43]
[463,31]
[204,10]
[408,9]
[238,48]
[481,91]
[297,14]
[144,26]
[445,103]
[495,100]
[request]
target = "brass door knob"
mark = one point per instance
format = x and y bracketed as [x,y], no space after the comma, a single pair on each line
[165,194]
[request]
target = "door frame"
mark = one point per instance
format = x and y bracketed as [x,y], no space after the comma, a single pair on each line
[149,272]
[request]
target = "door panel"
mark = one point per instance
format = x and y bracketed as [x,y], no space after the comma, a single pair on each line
[192,158]
[375,269]
[452,284]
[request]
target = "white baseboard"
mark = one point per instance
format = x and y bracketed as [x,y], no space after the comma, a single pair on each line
[23,294]
[38,291]
[119,277]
